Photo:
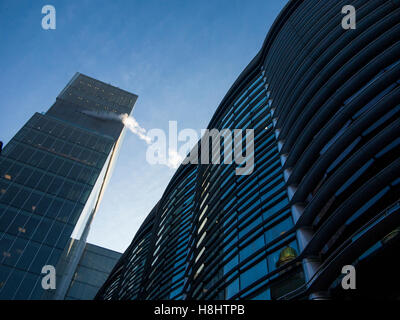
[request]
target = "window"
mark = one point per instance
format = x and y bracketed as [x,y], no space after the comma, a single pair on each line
[46,161]
[232,289]
[251,248]
[54,233]
[251,226]
[28,256]
[275,208]
[23,176]
[66,189]
[278,229]
[20,199]
[35,159]
[32,202]
[44,182]
[55,185]
[273,258]
[40,259]
[56,165]
[232,263]
[264,295]
[33,179]
[54,208]
[66,211]
[43,205]
[253,274]
[65,169]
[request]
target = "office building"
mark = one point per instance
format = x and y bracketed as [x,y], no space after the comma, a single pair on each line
[324,105]
[53,174]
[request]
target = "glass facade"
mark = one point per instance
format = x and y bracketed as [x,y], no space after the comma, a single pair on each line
[243,221]
[92,271]
[323,103]
[215,234]
[52,174]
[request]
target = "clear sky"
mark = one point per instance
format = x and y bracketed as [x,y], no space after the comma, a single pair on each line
[179,56]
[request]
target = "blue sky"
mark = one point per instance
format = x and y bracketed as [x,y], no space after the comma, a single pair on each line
[179,56]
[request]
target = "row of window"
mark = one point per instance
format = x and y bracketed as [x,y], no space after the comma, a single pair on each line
[218,234]
[40,126]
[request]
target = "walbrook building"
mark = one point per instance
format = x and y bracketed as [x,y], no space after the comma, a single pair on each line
[324,193]
[53,174]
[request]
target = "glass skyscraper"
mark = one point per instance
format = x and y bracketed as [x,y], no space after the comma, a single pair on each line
[52,176]
[324,105]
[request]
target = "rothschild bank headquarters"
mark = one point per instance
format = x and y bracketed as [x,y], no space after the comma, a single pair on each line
[323,102]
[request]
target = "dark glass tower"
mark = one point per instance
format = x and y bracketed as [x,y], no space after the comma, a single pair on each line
[52,176]
[324,193]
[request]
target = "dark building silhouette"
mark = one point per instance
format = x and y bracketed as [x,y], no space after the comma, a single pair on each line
[324,104]
[92,271]
[53,173]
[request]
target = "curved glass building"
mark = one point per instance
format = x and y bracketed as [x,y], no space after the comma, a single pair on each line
[324,193]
